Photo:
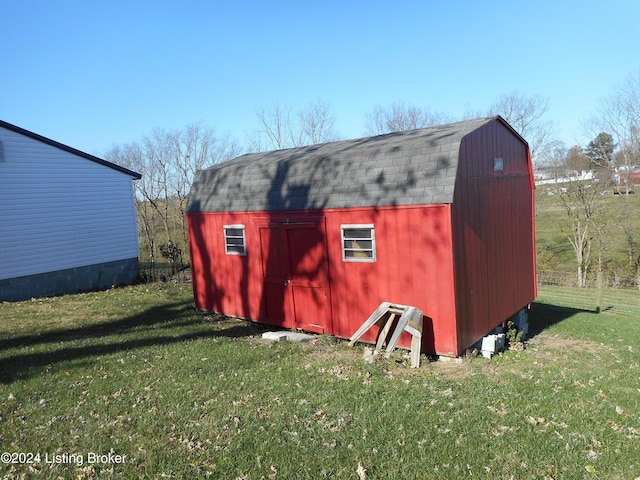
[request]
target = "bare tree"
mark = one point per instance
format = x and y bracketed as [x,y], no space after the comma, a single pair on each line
[317,123]
[400,117]
[275,129]
[585,209]
[158,159]
[280,128]
[195,147]
[576,202]
[147,194]
[168,161]
[526,115]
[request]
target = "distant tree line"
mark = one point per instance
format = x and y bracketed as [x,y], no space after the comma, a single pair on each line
[169,159]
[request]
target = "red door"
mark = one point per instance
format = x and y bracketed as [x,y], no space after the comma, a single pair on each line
[295,276]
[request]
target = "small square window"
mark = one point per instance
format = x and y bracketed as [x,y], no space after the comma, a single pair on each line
[234,240]
[358,243]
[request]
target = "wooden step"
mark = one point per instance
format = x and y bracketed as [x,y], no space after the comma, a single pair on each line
[384,316]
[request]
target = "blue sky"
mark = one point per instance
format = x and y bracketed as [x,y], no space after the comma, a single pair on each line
[96,74]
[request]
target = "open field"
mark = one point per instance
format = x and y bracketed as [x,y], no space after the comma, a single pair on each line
[554,252]
[138,372]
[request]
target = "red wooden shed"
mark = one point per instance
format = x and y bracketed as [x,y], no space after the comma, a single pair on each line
[315,238]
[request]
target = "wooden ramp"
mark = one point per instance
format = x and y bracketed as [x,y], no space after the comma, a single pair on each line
[384,316]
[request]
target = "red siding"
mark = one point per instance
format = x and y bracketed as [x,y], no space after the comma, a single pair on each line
[221,282]
[413,266]
[493,232]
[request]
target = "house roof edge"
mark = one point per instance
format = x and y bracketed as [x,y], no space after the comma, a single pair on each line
[67,148]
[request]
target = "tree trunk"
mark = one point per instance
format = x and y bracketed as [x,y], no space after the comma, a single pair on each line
[580,280]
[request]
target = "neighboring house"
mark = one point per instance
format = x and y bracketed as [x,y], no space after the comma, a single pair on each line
[315,238]
[67,218]
[632,178]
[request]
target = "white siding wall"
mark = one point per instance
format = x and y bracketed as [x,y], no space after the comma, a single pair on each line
[59,210]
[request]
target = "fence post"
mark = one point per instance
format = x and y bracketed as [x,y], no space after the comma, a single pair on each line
[599,292]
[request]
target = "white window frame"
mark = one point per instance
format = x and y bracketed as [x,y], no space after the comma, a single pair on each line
[227,244]
[372,239]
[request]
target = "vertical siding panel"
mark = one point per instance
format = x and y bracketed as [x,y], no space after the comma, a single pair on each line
[335,272]
[195,256]
[494,276]
[256,286]
[395,259]
[214,243]
[439,293]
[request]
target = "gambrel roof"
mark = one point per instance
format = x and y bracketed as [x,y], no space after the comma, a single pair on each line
[415,167]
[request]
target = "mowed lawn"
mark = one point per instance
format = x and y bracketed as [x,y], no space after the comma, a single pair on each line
[135,383]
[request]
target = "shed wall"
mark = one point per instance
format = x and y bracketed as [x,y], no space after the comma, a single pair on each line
[493,231]
[59,211]
[414,266]
[454,234]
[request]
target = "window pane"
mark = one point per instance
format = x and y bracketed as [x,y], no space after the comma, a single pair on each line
[234,232]
[358,244]
[235,241]
[362,244]
[235,249]
[357,233]
[358,254]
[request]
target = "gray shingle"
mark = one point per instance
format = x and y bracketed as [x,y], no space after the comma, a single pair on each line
[404,168]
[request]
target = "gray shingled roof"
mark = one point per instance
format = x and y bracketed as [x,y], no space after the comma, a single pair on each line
[405,168]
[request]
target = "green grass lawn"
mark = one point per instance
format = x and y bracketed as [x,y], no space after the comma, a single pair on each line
[138,372]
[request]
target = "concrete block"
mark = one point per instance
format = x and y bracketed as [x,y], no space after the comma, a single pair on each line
[274,336]
[285,335]
[492,344]
[300,337]
[445,359]
[489,343]
[486,353]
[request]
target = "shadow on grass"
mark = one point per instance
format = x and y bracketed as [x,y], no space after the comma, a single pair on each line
[544,315]
[164,325]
